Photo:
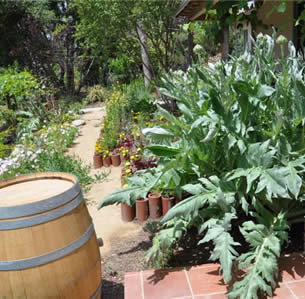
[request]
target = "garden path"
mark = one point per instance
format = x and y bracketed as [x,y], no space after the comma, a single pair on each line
[107,221]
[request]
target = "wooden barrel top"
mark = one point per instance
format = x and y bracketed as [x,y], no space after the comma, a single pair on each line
[32,191]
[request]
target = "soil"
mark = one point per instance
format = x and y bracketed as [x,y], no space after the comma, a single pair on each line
[128,255]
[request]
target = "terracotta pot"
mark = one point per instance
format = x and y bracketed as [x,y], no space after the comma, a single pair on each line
[123,176]
[155,205]
[167,203]
[127,212]
[142,209]
[116,159]
[97,161]
[107,161]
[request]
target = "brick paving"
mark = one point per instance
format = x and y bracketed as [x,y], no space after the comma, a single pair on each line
[204,282]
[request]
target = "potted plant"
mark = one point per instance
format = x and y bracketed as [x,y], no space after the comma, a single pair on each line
[155,205]
[142,209]
[115,158]
[127,212]
[106,158]
[168,201]
[97,157]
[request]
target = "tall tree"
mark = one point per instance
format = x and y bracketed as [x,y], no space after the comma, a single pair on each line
[150,24]
[40,36]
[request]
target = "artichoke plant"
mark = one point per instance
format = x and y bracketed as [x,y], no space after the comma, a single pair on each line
[238,146]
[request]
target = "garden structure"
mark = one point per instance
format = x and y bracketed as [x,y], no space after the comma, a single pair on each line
[253,16]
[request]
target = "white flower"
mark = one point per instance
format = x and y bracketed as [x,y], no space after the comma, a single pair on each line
[198,49]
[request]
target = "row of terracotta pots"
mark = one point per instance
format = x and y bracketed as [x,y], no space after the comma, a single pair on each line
[154,207]
[99,161]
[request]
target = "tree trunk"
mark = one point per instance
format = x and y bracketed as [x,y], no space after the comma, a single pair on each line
[147,67]
[70,67]
[190,46]
[61,75]
[225,42]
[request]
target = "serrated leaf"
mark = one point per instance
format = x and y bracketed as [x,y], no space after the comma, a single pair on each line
[193,188]
[294,182]
[156,131]
[265,91]
[274,181]
[252,175]
[163,150]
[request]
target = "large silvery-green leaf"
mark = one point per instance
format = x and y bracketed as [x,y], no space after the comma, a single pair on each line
[224,244]
[139,187]
[265,91]
[294,182]
[261,261]
[163,150]
[157,131]
[274,181]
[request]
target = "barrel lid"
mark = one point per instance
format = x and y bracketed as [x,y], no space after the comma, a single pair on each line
[36,193]
[32,191]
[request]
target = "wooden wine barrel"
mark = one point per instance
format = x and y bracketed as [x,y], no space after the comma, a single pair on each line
[48,246]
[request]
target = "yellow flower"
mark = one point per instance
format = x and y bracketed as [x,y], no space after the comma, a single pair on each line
[139,149]
[127,164]
[137,134]
[125,185]
[128,171]
[161,117]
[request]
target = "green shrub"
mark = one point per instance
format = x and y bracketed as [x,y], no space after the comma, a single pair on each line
[5,149]
[97,93]
[18,88]
[122,69]
[139,98]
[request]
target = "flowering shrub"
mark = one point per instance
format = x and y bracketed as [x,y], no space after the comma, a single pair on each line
[44,151]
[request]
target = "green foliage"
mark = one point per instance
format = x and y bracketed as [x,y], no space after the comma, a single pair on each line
[114,33]
[97,93]
[241,131]
[139,98]
[206,34]
[17,88]
[114,119]
[44,151]
[265,238]
[138,187]
[237,146]
[5,149]
[121,68]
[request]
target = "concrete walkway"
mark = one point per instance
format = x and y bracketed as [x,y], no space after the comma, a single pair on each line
[107,221]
